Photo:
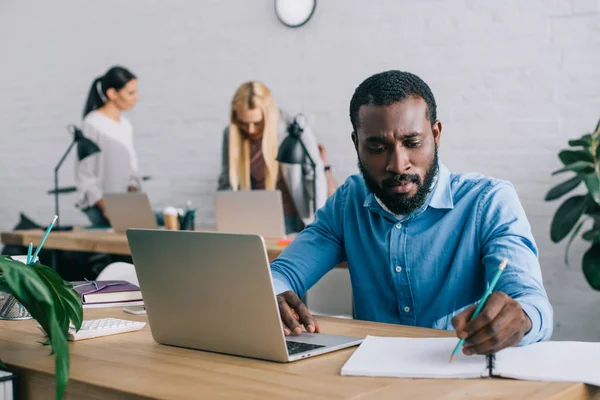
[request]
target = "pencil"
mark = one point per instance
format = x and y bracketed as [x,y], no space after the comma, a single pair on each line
[37,251]
[487,293]
[29,250]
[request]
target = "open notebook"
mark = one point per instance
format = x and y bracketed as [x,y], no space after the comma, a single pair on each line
[428,358]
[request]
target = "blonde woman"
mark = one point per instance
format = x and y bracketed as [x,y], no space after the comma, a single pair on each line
[250,145]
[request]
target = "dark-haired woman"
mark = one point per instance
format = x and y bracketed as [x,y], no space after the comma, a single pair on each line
[114,169]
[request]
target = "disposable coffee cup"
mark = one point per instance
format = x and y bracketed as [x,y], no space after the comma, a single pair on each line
[171,218]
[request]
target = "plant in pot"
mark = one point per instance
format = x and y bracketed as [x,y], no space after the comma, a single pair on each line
[582,159]
[51,301]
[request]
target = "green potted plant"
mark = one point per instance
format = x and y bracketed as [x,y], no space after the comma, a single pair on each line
[583,159]
[51,301]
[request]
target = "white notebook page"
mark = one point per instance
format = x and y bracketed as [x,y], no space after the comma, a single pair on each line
[551,361]
[413,358]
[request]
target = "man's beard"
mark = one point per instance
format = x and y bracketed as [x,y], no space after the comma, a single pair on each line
[402,203]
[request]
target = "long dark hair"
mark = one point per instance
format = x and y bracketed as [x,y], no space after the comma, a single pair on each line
[116,78]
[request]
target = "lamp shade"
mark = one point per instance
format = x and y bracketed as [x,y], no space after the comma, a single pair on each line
[85,147]
[291,151]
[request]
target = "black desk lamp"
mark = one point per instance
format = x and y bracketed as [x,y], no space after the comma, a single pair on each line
[293,151]
[85,148]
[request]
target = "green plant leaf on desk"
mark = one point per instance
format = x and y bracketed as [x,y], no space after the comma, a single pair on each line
[585,141]
[571,156]
[563,188]
[593,185]
[65,297]
[591,266]
[566,217]
[51,301]
[578,166]
[586,164]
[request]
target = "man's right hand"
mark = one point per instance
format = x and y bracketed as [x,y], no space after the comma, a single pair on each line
[294,314]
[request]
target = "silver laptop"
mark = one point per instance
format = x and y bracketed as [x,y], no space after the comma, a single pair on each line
[129,210]
[250,211]
[213,291]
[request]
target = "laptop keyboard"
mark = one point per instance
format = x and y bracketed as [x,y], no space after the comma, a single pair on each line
[299,347]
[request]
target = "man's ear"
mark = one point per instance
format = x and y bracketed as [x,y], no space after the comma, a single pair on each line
[355,140]
[437,132]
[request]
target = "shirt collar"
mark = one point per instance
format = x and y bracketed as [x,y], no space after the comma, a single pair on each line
[440,197]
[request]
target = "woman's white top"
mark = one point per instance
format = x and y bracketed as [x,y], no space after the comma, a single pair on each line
[114,168]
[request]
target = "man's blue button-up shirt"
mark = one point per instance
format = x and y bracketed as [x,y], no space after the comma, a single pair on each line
[426,267]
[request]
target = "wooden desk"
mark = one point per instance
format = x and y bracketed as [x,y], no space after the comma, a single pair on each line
[132,365]
[93,241]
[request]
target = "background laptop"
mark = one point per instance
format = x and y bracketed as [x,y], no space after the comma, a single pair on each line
[129,210]
[250,211]
[213,291]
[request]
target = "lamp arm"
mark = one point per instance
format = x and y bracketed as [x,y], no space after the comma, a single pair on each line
[314,181]
[62,160]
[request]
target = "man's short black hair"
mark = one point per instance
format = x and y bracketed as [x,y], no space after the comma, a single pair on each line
[390,87]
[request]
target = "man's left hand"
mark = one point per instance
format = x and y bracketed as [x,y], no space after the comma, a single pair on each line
[501,323]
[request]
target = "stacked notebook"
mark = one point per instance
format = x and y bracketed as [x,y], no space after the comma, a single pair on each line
[108,293]
[7,385]
[429,358]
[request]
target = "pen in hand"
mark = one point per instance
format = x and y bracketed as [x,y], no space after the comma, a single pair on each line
[487,293]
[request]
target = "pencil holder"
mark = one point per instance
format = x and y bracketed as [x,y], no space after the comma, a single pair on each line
[10,308]
[187,221]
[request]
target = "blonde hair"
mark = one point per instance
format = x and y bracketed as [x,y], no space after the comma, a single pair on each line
[251,95]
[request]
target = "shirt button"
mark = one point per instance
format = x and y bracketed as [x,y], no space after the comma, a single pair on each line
[398,269]
[398,225]
[407,309]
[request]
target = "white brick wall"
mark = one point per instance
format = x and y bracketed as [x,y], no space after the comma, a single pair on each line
[513,79]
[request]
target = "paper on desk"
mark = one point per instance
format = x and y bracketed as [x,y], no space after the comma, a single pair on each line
[551,361]
[413,358]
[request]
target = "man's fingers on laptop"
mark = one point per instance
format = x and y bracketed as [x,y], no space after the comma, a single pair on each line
[303,315]
[306,318]
[287,316]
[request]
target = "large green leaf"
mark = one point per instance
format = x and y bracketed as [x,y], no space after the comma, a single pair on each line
[566,217]
[573,236]
[3,285]
[563,188]
[65,297]
[51,301]
[579,166]
[591,266]
[571,156]
[593,184]
[585,141]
